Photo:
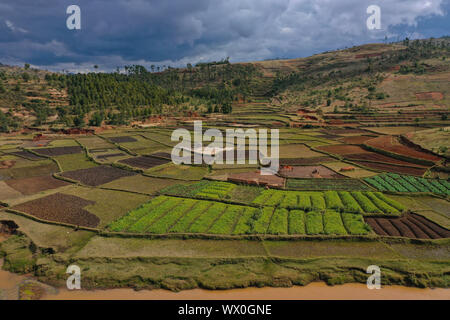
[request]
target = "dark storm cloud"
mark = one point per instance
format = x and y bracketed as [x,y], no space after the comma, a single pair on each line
[119,32]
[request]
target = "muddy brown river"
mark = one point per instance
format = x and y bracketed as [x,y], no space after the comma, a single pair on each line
[9,283]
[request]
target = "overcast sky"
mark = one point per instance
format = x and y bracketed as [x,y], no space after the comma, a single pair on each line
[174,32]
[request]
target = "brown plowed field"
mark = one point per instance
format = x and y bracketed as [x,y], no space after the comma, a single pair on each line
[429,96]
[255,178]
[122,139]
[305,161]
[61,208]
[344,131]
[309,172]
[164,155]
[342,149]
[410,225]
[144,162]
[415,171]
[58,151]
[392,144]
[6,164]
[27,155]
[110,155]
[376,157]
[98,175]
[28,186]
[327,136]
[355,139]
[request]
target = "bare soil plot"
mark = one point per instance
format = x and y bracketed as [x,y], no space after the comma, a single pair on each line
[342,131]
[37,143]
[6,164]
[122,139]
[297,151]
[393,144]
[327,136]
[28,186]
[415,171]
[355,139]
[354,172]
[61,208]
[429,95]
[58,151]
[305,161]
[395,130]
[308,172]
[164,155]
[8,193]
[181,172]
[24,168]
[141,184]
[255,178]
[376,157]
[342,149]
[436,140]
[95,143]
[27,155]
[76,161]
[410,225]
[98,175]
[110,155]
[144,162]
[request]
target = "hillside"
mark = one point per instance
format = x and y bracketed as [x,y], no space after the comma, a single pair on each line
[369,84]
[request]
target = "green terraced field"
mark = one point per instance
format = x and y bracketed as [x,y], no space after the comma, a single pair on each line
[368,203]
[402,183]
[166,214]
[327,184]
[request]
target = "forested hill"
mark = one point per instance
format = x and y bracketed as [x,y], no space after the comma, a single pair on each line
[30,97]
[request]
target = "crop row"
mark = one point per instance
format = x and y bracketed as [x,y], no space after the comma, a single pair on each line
[166,214]
[327,184]
[215,190]
[402,183]
[342,201]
